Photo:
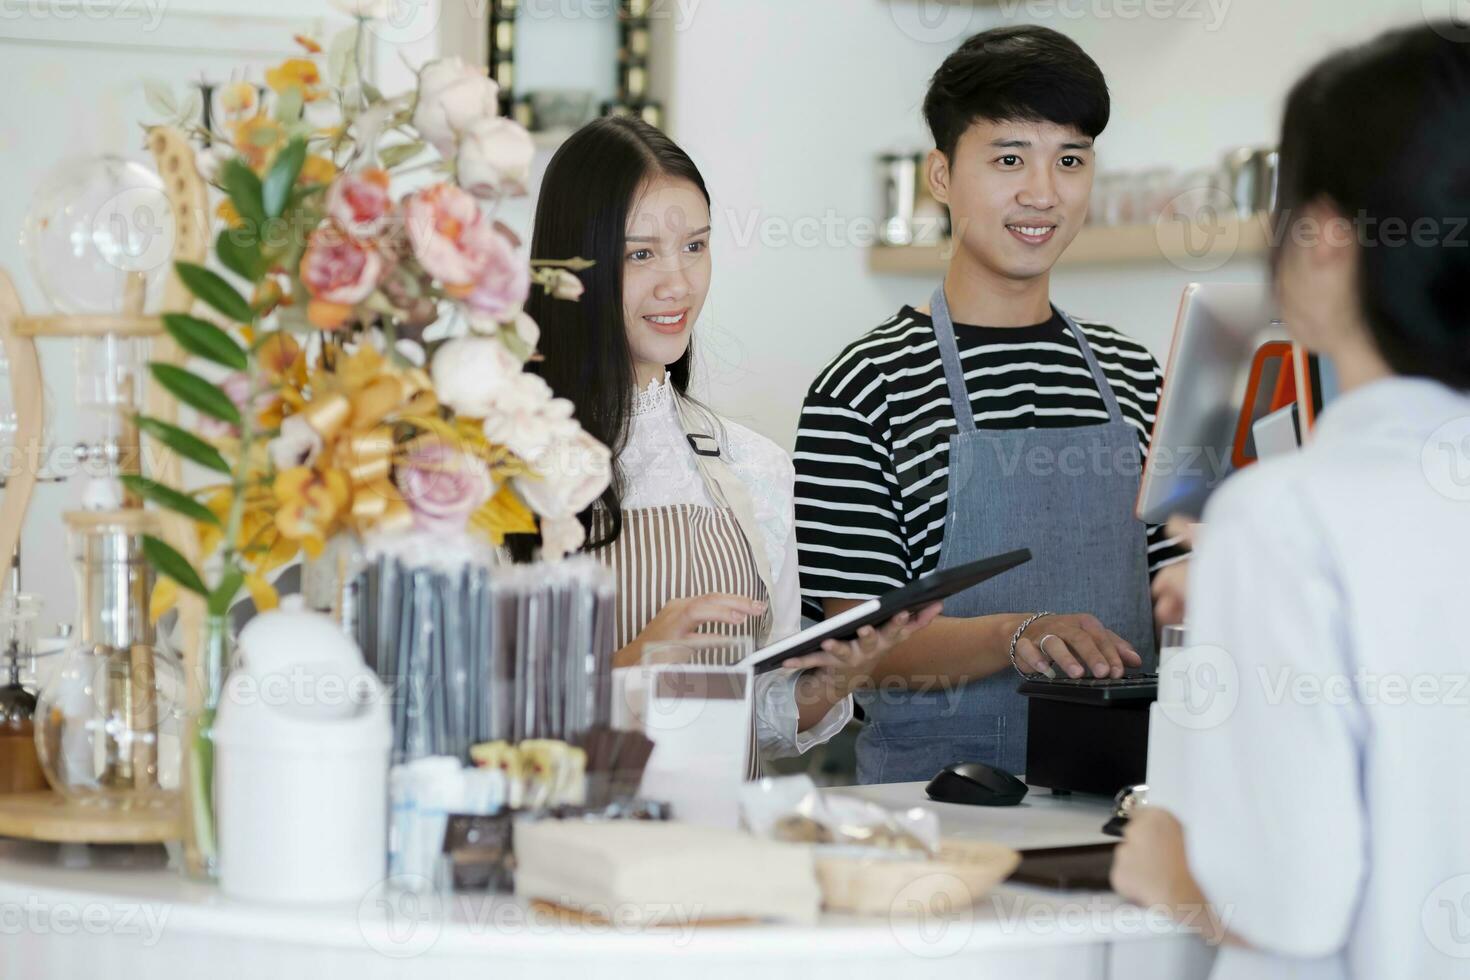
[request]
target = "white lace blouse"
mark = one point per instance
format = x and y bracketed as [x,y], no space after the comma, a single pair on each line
[659,470]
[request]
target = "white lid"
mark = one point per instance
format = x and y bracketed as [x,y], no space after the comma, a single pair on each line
[302,687]
[308,712]
[292,634]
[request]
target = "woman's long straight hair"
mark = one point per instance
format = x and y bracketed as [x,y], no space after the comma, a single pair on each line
[591,186]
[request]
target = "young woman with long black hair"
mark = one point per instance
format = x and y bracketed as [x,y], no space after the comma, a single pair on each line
[698,522]
[1315,802]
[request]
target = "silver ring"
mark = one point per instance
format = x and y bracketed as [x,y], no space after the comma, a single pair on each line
[1046,669]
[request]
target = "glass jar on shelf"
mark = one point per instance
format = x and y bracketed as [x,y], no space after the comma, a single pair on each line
[20,767]
[110,716]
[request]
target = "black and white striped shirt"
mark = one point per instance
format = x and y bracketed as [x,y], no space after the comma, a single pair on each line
[872,450]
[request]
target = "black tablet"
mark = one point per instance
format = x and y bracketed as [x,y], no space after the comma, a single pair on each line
[910,598]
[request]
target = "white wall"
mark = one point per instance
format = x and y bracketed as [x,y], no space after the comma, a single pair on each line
[784,104]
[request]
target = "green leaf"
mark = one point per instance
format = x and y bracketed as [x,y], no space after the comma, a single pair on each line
[289,105]
[224,593]
[340,49]
[192,110]
[372,92]
[195,392]
[186,444]
[203,339]
[166,496]
[219,294]
[243,187]
[277,186]
[169,562]
[392,156]
[243,260]
[160,97]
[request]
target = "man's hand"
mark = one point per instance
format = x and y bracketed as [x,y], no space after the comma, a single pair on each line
[1078,644]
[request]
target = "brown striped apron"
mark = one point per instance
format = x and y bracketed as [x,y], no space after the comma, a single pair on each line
[681,551]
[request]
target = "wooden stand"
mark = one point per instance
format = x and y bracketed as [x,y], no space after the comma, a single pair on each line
[49,816]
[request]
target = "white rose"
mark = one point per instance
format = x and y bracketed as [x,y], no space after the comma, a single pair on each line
[469,371]
[452,96]
[560,536]
[296,445]
[494,158]
[566,285]
[526,329]
[527,420]
[573,473]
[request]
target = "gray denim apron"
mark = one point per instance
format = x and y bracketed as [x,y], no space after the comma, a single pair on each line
[1068,495]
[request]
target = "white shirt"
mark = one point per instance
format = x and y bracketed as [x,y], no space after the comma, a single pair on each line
[659,470]
[1324,783]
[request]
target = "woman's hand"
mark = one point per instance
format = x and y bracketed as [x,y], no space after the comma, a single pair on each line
[849,664]
[680,619]
[1171,583]
[1151,868]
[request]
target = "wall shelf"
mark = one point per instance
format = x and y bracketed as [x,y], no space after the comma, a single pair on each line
[1191,247]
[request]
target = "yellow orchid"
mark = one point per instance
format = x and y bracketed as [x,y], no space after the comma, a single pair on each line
[226,212]
[317,169]
[257,139]
[300,73]
[310,503]
[238,99]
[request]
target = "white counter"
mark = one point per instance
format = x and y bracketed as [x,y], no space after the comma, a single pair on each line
[89,922]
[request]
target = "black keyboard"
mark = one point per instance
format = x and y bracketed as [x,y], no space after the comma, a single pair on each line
[1096,690]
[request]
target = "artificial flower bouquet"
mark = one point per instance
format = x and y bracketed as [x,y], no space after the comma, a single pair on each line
[368,348]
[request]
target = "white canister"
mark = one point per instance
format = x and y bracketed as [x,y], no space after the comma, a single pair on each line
[302,739]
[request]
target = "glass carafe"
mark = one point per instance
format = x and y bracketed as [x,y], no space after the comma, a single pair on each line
[110,717]
[20,767]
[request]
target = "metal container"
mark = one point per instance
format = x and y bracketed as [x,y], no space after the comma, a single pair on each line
[898,175]
[1250,179]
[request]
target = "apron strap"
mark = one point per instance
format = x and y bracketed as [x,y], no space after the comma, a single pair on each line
[954,374]
[1115,414]
[949,356]
[723,485]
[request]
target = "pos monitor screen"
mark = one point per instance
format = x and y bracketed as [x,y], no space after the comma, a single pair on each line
[1231,364]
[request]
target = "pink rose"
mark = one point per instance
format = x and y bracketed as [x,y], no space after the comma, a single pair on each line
[236,386]
[448,233]
[470,258]
[443,486]
[359,203]
[503,283]
[340,269]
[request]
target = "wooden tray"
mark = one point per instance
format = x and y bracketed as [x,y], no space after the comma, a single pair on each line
[961,874]
[48,816]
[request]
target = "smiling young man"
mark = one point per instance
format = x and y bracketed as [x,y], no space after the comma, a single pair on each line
[988,420]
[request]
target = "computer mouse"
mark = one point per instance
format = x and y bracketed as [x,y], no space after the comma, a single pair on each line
[977,784]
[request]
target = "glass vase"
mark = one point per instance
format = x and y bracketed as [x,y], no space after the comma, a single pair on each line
[201,855]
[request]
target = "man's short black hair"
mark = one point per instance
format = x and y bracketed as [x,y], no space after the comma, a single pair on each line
[1016,73]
